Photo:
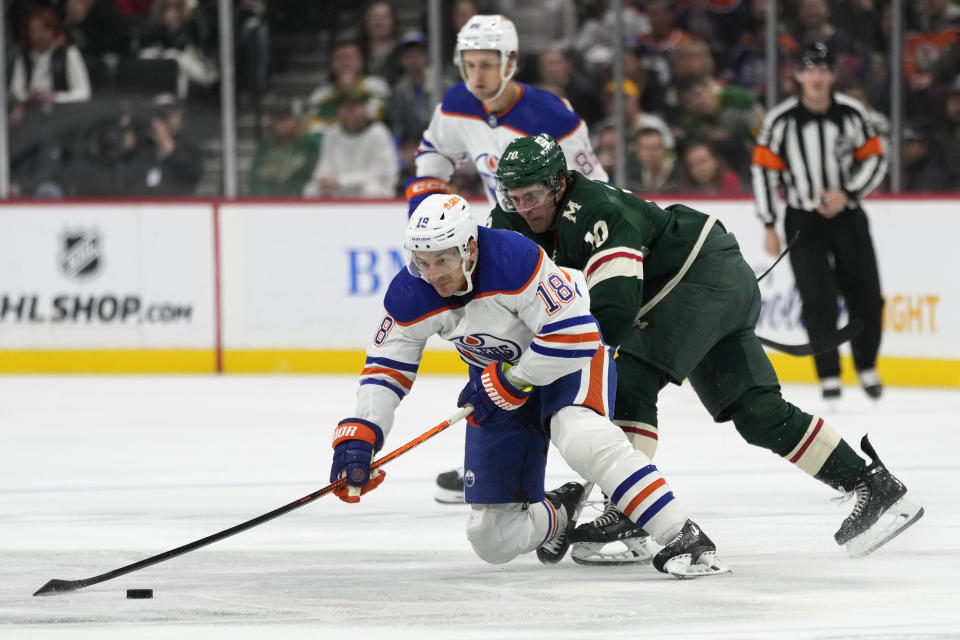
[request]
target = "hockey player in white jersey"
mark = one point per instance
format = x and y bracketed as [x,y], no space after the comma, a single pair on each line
[476,121]
[539,373]
[479,117]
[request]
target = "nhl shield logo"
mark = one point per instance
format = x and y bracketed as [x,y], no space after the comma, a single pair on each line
[80,253]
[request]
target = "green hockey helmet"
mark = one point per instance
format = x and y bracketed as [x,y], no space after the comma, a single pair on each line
[526,162]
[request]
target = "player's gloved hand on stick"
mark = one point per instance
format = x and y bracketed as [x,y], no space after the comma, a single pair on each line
[355,441]
[492,395]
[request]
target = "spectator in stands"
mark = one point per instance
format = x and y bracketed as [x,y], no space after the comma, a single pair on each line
[635,118]
[157,158]
[47,70]
[747,66]
[941,70]
[560,78]
[252,42]
[813,22]
[692,59]
[929,51]
[593,43]
[96,27]
[358,158]
[861,20]
[718,22]
[176,31]
[656,48]
[707,173]
[949,132]
[729,117]
[411,105]
[285,158]
[654,169]
[924,166]
[936,14]
[378,41]
[544,24]
[653,98]
[346,76]
[604,146]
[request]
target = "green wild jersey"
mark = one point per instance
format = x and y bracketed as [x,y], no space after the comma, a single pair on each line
[627,247]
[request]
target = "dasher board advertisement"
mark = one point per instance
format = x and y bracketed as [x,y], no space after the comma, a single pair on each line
[106,277]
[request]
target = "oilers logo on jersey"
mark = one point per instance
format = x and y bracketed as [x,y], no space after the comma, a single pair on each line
[480,349]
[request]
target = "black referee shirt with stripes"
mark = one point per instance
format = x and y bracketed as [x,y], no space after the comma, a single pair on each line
[810,153]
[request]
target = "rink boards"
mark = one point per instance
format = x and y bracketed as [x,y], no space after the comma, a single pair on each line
[252,287]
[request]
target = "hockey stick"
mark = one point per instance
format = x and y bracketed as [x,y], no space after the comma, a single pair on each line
[64,586]
[821,345]
[785,251]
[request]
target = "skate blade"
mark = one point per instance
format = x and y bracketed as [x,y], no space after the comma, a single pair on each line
[706,565]
[894,521]
[447,496]
[637,551]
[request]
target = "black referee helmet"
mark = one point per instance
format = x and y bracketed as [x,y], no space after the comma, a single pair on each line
[817,54]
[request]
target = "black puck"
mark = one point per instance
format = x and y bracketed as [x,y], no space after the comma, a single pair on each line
[139,593]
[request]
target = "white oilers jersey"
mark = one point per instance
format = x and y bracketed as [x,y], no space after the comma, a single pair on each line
[523,310]
[462,130]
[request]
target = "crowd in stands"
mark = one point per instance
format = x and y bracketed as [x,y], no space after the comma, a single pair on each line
[694,88]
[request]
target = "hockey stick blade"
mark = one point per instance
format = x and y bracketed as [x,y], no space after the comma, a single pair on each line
[56,586]
[60,586]
[821,345]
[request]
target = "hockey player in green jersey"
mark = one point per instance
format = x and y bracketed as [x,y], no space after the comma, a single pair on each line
[670,288]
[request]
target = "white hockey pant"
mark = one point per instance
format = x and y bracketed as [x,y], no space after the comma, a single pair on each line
[501,532]
[599,451]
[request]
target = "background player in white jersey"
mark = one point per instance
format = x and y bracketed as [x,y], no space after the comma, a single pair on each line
[479,117]
[539,372]
[476,121]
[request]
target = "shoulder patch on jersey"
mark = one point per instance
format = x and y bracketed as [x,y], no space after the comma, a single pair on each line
[508,261]
[540,111]
[410,299]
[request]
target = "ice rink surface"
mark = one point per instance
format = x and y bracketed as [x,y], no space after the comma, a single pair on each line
[100,472]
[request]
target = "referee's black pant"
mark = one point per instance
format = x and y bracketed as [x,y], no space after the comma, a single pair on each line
[835,256]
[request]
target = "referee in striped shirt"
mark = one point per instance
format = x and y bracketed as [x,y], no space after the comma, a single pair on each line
[823,150]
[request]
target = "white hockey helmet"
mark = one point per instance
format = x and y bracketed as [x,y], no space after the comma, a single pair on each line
[488,33]
[442,221]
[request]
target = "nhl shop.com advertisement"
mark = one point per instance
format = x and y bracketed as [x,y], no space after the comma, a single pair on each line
[117,277]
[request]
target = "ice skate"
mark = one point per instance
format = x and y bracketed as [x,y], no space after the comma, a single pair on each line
[450,487]
[832,391]
[612,539]
[568,501]
[882,511]
[690,554]
[871,383]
